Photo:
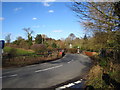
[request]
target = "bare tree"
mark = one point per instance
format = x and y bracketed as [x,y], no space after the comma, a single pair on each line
[8,38]
[19,38]
[97,16]
[72,36]
[29,33]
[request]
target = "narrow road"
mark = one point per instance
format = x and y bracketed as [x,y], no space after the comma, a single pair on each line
[46,74]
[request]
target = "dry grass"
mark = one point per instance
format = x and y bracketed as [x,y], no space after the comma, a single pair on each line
[95,71]
[94,77]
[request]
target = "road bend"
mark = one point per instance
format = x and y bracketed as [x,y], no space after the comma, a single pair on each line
[46,74]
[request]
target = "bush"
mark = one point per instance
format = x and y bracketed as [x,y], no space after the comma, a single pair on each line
[38,39]
[49,48]
[20,44]
[11,52]
[75,47]
[39,48]
[54,45]
[103,63]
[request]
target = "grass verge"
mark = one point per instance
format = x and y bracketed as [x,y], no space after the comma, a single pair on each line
[19,57]
[104,74]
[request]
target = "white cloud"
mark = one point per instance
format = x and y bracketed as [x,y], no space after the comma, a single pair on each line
[1,18]
[51,11]
[36,26]
[57,31]
[34,18]
[46,4]
[17,9]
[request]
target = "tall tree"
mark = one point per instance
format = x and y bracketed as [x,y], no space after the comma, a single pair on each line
[117,12]
[72,36]
[19,38]
[38,39]
[98,17]
[54,45]
[8,38]
[29,33]
[85,37]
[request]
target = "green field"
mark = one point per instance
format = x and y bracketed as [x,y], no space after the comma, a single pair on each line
[17,51]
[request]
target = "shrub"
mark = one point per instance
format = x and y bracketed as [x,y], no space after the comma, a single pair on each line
[54,45]
[39,48]
[12,52]
[103,63]
[38,39]
[75,47]
[49,48]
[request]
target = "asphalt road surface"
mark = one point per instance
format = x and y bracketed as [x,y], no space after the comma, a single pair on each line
[46,74]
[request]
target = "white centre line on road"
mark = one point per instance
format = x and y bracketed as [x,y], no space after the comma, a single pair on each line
[25,66]
[70,61]
[5,72]
[3,76]
[48,68]
[14,75]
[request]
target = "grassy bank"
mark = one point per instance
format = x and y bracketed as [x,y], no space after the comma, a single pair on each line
[15,57]
[17,51]
[104,73]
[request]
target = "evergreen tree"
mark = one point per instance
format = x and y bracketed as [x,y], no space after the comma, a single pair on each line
[54,45]
[38,39]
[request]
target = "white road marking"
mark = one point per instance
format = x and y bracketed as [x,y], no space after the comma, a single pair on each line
[48,68]
[77,82]
[3,76]
[70,61]
[64,56]
[70,84]
[5,72]
[14,75]
[61,87]
[65,86]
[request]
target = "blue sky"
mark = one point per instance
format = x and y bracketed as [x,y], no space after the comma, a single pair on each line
[54,19]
